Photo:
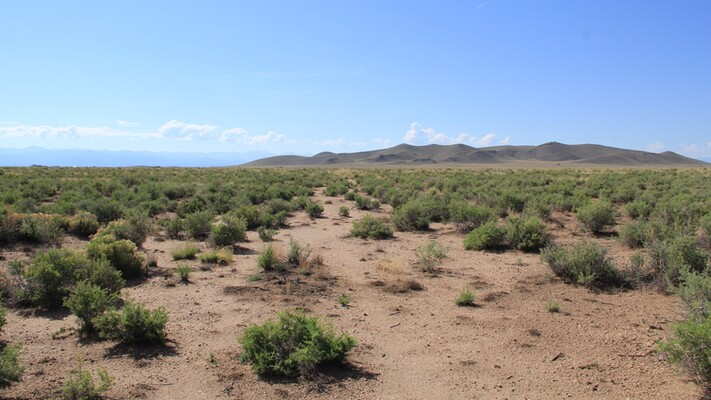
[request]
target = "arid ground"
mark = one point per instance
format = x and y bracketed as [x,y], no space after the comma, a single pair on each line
[412,344]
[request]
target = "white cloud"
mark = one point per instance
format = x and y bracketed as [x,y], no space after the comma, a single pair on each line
[181,130]
[655,147]
[331,142]
[126,123]
[269,137]
[419,135]
[68,132]
[382,142]
[505,141]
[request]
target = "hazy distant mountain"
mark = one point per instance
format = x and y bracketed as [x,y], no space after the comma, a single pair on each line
[100,158]
[553,153]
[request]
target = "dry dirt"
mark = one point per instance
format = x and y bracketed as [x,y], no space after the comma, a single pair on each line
[411,345]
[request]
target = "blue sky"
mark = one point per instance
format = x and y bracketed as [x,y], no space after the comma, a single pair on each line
[309,76]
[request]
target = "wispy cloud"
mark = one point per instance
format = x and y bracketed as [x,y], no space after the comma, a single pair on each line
[419,135]
[655,147]
[382,142]
[126,123]
[171,130]
[331,142]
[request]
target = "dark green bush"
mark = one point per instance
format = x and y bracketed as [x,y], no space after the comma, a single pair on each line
[670,259]
[83,224]
[198,224]
[122,254]
[691,347]
[228,231]
[526,234]
[39,228]
[135,228]
[586,264]
[370,227]
[294,344]
[51,275]
[100,272]
[134,324]
[10,368]
[268,259]
[412,216]
[88,301]
[597,216]
[633,234]
[488,236]
[314,209]
[174,227]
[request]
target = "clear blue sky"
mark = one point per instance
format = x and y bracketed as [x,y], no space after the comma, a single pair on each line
[308,76]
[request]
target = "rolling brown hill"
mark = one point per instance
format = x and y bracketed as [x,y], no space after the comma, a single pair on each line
[552,153]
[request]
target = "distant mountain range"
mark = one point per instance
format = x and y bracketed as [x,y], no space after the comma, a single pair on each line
[106,158]
[553,153]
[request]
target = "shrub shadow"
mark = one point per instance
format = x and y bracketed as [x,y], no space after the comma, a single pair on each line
[142,352]
[324,376]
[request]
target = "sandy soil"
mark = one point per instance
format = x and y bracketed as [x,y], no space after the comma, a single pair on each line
[412,345]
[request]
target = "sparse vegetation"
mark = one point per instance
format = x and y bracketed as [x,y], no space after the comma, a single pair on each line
[88,301]
[371,227]
[585,264]
[488,236]
[465,298]
[429,255]
[10,368]
[268,260]
[344,300]
[184,272]
[217,256]
[81,384]
[597,216]
[553,306]
[134,324]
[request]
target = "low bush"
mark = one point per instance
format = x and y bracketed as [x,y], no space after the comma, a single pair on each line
[429,255]
[88,301]
[465,298]
[486,237]
[184,272]
[229,231]
[39,228]
[185,251]
[268,260]
[294,344]
[81,385]
[526,234]
[100,272]
[83,224]
[370,227]
[218,256]
[198,224]
[597,216]
[10,368]
[136,228]
[670,259]
[314,209]
[122,254]
[51,275]
[633,234]
[134,324]
[468,217]
[266,234]
[298,255]
[344,211]
[585,264]
[691,348]
[174,227]
[412,216]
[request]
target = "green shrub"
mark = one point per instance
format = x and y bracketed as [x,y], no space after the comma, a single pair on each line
[51,275]
[174,227]
[429,255]
[370,227]
[39,228]
[298,255]
[695,294]
[122,254]
[10,368]
[468,217]
[365,203]
[314,209]
[83,224]
[691,347]
[136,228]
[465,298]
[81,385]
[586,264]
[100,272]
[344,300]
[486,237]
[412,216]
[268,259]
[184,272]
[553,306]
[266,234]
[2,317]
[294,344]
[672,258]
[134,324]
[198,224]
[597,216]
[344,211]
[633,235]
[229,231]
[88,301]
[185,251]
[526,234]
